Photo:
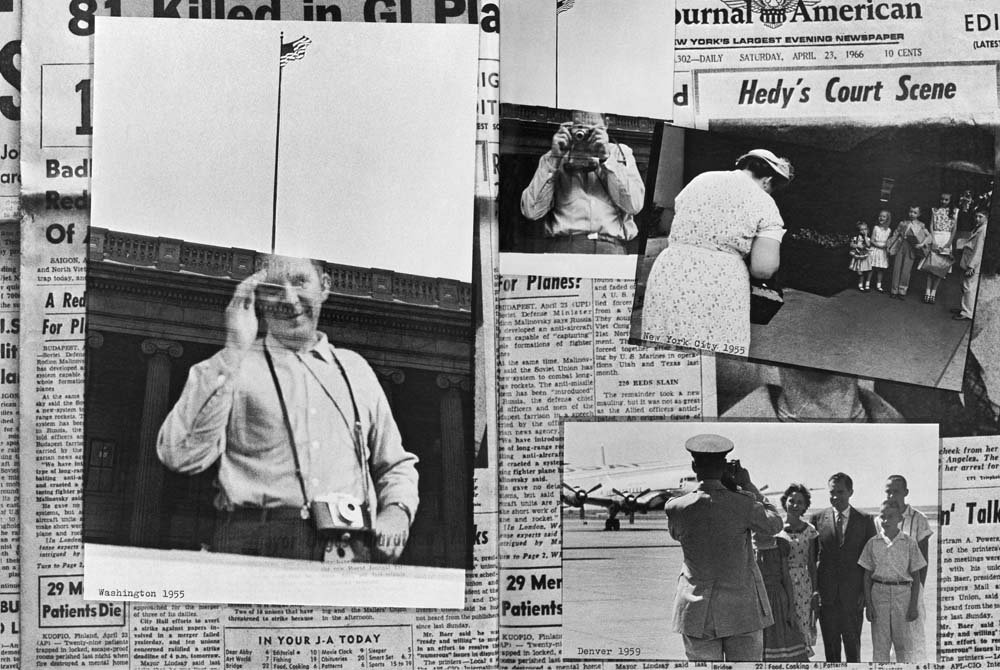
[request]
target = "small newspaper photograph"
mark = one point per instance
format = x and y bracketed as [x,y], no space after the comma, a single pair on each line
[233,452]
[574,182]
[849,249]
[742,542]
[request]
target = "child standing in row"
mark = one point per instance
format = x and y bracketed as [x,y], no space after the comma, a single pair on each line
[892,563]
[938,259]
[909,235]
[878,255]
[860,263]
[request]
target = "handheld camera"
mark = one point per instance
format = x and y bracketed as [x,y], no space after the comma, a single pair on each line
[581,155]
[729,477]
[346,525]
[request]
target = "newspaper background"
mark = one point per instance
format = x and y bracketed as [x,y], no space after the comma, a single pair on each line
[55,203]
[10,107]
[10,317]
[970,547]
[562,353]
[9,523]
[950,43]
[810,44]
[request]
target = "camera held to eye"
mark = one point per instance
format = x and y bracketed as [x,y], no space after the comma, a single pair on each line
[729,477]
[582,153]
[346,525]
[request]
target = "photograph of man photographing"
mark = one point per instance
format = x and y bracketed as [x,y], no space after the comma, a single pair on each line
[586,190]
[311,463]
[721,607]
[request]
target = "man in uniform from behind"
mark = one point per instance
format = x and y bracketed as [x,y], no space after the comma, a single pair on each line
[721,608]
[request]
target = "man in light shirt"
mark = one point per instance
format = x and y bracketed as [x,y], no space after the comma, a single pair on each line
[292,420]
[586,190]
[914,524]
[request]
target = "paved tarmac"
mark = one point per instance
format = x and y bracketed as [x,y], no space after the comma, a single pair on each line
[618,591]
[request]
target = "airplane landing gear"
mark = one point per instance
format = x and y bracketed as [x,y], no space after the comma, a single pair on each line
[612,524]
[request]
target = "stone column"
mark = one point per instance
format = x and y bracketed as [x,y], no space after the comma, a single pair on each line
[455,455]
[147,488]
[390,378]
[95,340]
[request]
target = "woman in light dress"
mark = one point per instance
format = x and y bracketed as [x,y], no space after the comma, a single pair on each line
[698,290]
[801,537]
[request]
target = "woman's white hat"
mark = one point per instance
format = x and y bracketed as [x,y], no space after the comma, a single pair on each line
[782,166]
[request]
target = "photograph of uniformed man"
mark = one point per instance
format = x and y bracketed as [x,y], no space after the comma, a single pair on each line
[310,461]
[721,607]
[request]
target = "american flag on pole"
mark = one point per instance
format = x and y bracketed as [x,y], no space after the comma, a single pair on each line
[295,50]
[564,5]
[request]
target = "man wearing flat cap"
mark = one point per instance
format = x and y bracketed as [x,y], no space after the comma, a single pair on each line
[721,608]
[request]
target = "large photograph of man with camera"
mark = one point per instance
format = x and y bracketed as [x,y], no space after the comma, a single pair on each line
[280,351]
[311,462]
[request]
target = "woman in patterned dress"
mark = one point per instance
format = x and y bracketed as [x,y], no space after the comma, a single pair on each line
[801,537]
[698,290]
[783,639]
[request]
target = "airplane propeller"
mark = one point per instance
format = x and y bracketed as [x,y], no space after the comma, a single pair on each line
[579,496]
[630,502]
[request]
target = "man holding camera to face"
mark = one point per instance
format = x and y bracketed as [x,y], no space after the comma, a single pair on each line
[311,463]
[586,189]
[721,608]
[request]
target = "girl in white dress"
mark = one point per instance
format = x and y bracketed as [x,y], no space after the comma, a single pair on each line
[877,255]
[860,263]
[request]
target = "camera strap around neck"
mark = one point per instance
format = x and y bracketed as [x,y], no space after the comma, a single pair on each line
[356,436]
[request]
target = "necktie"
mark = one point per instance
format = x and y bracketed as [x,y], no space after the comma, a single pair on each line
[840,529]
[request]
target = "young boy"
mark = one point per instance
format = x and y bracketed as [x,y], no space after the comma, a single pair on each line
[972,258]
[914,233]
[892,563]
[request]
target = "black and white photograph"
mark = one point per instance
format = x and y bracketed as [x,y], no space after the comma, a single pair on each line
[613,55]
[750,542]
[279,377]
[574,181]
[848,249]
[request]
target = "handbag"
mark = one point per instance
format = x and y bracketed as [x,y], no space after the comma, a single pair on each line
[766,298]
[936,263]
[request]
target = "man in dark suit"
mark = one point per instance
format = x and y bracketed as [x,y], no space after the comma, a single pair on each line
[843,533]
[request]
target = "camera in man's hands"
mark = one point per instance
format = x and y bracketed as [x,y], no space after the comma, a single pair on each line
[730,477]
[346,525]
[582,154]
